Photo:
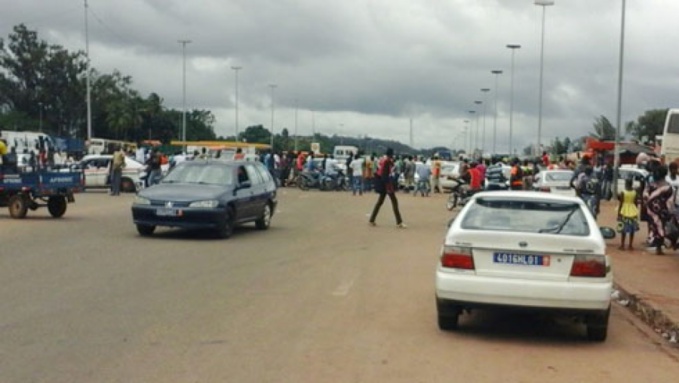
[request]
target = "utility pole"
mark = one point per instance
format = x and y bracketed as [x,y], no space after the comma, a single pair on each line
[87,77]
[236,69]
[184,42]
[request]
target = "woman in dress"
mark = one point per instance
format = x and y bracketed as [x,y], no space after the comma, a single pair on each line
[659,203]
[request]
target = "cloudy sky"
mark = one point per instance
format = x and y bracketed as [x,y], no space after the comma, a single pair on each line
[367,67]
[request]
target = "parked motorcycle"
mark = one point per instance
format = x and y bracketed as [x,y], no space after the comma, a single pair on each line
[308,180]
[337,182]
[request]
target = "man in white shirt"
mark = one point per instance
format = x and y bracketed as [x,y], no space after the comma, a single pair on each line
[356,166]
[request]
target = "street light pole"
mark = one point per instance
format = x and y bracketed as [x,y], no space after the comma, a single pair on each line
[296,109]
[236,69]
[544,4]
[87,78]
[485,102]
[476,137]
[272,86]
[616,153]
[497,74]
[183,43]
[513,47]
[471,142]
[466,137]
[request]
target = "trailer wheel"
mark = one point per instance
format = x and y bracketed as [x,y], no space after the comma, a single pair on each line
[127,185]
[18,206]
[56,205]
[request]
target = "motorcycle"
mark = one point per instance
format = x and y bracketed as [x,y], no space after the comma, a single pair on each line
[307,180]
[459,194]
[336,182]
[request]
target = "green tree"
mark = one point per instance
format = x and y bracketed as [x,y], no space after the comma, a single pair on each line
[40,78]
[257,134]
[603,129]
[648,125]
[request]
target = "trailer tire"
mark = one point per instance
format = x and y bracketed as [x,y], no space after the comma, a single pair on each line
[56,205]
[18,206]
[127,185]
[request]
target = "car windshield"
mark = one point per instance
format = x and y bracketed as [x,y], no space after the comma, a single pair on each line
[530,216]
[213,174]
[558,176]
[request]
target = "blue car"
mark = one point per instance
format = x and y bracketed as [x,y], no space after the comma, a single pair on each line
[208,194]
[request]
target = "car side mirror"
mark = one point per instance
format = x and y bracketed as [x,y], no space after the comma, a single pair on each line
[607,232]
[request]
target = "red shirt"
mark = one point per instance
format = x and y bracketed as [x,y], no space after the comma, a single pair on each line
[475,178]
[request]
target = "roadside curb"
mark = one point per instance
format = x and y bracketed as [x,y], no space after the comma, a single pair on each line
[649,313]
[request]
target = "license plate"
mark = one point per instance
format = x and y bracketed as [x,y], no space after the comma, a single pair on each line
[521,259]
[166,212]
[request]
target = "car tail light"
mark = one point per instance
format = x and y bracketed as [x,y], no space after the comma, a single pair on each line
[455,257]
[589,266]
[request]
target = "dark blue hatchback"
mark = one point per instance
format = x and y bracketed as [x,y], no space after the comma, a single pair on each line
[212,194]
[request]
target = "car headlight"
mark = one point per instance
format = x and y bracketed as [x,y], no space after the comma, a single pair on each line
[138,200]
[211,203]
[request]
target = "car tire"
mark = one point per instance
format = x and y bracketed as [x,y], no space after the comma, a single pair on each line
[448,315]
[56,205]
[264,221]
[18,206]
[225,229]
[146,230]
[597,326]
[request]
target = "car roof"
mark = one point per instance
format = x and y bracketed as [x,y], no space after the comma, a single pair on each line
[515,195]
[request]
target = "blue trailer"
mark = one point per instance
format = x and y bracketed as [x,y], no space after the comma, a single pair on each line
[42,188]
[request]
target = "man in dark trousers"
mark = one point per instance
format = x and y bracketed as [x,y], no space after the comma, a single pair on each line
[384,185]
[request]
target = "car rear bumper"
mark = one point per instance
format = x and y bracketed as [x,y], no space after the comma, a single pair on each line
[470,290]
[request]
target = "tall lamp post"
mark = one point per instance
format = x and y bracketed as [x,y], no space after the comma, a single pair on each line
[476,137]
[296,109]
[272,86]
[485,102]
[467,137]
[236,69]
[544,4]
[513,47]
[497,74]
[183,43]
[616,159]
[471,142]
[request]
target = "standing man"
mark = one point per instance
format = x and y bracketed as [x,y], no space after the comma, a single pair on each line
[435,173]
[516,175]
[117,165]
[385,187]
[153,167]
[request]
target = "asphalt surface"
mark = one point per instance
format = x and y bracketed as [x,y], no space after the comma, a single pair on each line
[320,297]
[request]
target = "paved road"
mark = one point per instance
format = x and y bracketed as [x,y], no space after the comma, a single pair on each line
[320,297]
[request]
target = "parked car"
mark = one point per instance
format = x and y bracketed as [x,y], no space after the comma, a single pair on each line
[96,168]
[449,169]
[637,175]
[531,250]
[211,194]
[554,181]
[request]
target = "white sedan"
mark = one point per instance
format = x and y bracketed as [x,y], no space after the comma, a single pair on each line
[96,169]
[554,181]
[509,249]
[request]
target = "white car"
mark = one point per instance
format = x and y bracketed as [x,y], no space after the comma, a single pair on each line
[449,169]
[554,181]
[96,169]
[524,249]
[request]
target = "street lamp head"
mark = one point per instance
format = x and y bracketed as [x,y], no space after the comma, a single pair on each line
[496,71]
[513,46]
[478,102]
[472,111]
[236,67]
[544,2]
[485,89]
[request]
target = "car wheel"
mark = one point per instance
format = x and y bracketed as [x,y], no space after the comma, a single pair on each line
[127,185]
[146,230]
[597,326]
[448,315]
[18,207]
[265,221]
[225,229]
[56,205]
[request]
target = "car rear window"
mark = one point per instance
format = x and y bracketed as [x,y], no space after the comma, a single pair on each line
[548,217]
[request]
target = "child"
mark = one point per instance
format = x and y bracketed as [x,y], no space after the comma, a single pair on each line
[628,213]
